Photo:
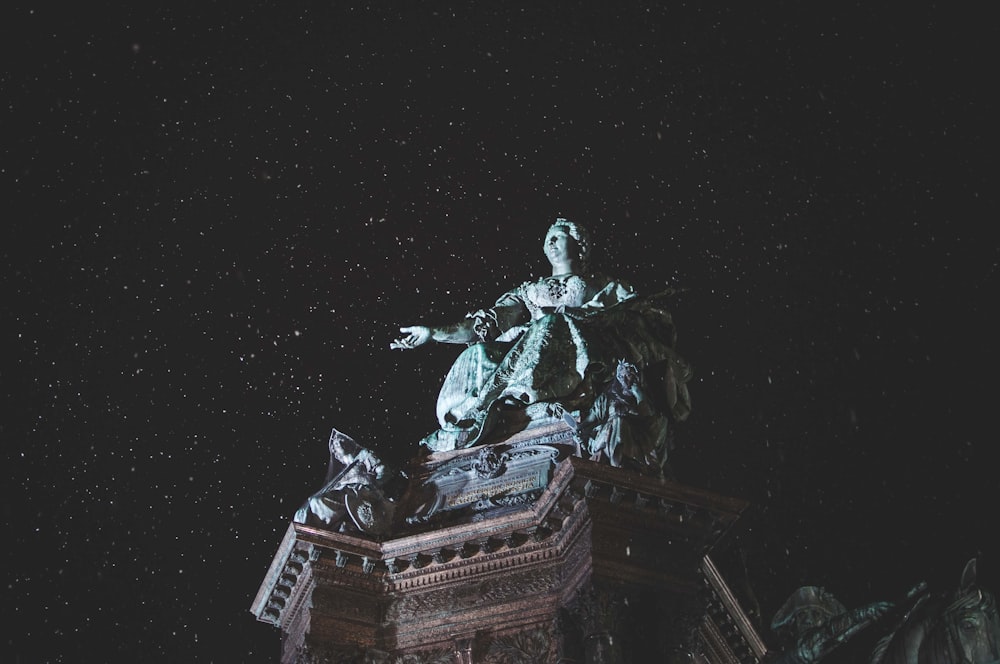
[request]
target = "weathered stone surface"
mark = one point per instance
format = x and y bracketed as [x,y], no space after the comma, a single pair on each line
[578,344]
[485,580]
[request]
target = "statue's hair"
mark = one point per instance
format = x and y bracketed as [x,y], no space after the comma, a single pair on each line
[577,232]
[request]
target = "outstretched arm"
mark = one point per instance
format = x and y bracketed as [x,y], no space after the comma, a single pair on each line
[418,335]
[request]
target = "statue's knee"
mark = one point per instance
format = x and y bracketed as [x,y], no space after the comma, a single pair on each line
[474,354]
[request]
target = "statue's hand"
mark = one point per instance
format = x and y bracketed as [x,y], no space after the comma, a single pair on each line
[878,609]
[413,336]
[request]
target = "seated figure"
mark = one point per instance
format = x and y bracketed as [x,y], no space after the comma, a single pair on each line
[623,426]
[353,496]
[557,341]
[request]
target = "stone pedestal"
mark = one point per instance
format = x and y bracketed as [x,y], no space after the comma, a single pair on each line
[516,552]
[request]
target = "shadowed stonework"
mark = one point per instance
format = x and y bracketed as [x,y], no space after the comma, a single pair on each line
[539,523]
[517,551]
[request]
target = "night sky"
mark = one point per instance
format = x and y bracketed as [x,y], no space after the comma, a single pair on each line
[216,218]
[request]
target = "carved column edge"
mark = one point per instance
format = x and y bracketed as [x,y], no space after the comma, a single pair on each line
[259,605]
[733,609]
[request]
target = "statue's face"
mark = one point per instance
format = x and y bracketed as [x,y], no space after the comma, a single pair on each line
[807,619]
[560,246]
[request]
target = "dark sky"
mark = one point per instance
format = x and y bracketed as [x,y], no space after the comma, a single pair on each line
[215,218]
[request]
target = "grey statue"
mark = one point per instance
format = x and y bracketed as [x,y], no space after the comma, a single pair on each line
[623,426]
[961,626]
[558,342]
[813,623]
[352,497]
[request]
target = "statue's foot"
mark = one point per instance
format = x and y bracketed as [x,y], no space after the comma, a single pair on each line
[471,431]
[325,511]
[485,423]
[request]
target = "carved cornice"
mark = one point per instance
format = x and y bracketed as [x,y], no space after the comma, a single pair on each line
[281,589]
[511,567]
[692,511]
[716,646]
[538,532]
[728,619]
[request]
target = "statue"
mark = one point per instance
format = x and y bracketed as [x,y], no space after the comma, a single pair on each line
[962,626]
[356,494]
[813,623]
[623,426]
[559,342]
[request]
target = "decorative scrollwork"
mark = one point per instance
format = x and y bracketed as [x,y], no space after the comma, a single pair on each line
[531,647]
[490,463]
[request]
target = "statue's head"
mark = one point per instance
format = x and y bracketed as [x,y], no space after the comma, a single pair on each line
[575,231]
[808,607]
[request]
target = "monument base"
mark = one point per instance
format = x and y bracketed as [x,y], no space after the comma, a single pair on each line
[516,552]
